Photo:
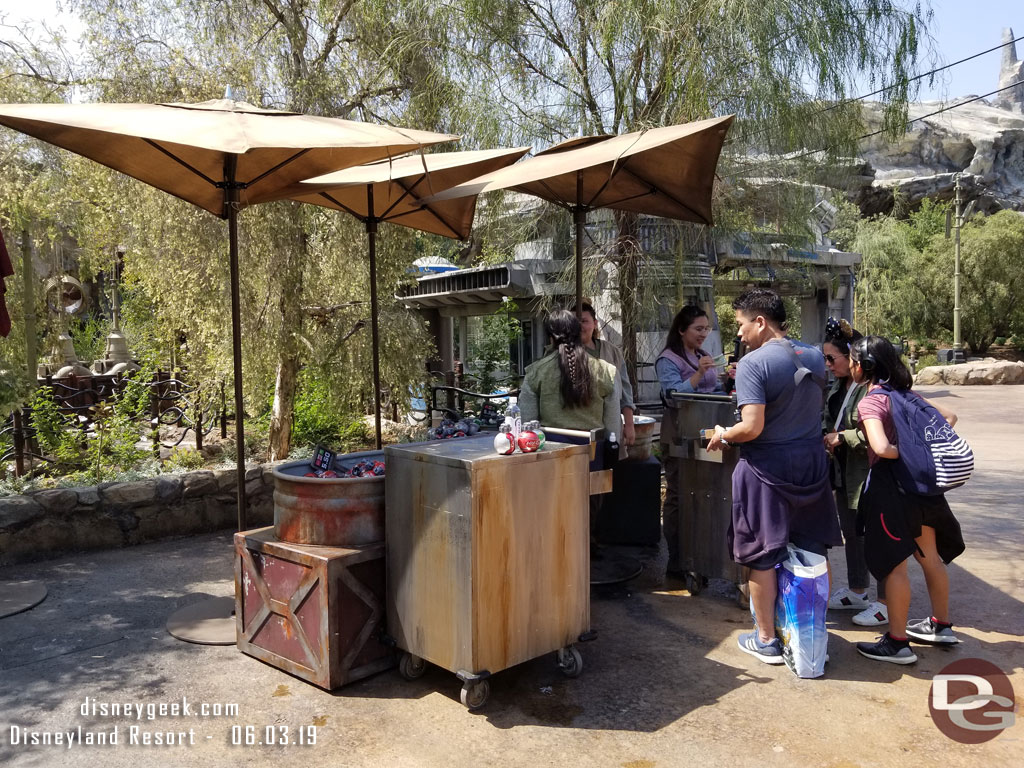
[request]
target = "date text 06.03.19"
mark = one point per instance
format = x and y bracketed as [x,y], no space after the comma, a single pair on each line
[273,735]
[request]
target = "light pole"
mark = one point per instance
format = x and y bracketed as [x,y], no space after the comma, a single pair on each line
[961,214]
[957,338]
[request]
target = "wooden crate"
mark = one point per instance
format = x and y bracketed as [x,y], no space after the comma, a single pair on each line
[488,556]
[315,612]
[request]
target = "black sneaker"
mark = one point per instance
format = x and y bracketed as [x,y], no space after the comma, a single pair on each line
[931,631]
[887,649]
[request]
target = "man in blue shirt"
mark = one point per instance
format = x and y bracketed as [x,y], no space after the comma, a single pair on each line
[780,486]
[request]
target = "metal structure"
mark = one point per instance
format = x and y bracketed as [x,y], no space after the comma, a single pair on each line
[173,402]
[316,612]
[488,557]
[705,490]
[328,511]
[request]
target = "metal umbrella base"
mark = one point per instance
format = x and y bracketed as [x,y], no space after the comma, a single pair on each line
[609,566]
[208,622]
[18,596]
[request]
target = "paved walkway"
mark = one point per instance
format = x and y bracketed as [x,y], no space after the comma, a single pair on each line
[664,684]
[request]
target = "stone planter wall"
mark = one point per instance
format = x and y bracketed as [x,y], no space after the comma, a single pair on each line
[45,524]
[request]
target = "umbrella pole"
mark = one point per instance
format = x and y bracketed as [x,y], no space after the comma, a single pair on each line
[580,217]
[231,209]
[371,233]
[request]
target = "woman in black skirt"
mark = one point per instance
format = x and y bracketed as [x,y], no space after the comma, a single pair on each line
[898,523]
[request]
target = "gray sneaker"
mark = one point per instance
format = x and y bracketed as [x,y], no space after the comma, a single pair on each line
[769,653]
[931,631]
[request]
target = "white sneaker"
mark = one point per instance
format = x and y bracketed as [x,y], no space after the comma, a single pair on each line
[875,615]
[846,600]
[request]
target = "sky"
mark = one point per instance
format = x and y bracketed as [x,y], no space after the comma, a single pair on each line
[960,28]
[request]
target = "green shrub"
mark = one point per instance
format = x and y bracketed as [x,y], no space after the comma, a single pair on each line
[184,457]
[1000,341]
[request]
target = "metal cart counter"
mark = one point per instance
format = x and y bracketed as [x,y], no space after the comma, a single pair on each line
[487,557]
[705,489]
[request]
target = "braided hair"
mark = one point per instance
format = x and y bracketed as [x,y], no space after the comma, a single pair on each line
[840,334]
[573,361]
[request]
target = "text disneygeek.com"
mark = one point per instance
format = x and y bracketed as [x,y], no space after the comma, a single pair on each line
[144,731]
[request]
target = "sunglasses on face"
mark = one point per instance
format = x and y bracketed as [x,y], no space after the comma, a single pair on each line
[830,359]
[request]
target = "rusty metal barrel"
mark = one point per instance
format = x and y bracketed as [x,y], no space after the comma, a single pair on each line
[328,511]
[640,450]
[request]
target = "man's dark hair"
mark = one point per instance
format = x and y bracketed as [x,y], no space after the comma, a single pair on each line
[764,302]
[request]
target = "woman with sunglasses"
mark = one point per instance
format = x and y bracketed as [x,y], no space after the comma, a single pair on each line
[848,447]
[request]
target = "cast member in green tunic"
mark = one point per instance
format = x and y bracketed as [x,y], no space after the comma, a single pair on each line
[568,388]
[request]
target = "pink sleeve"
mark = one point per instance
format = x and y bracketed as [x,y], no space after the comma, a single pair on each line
[873,406]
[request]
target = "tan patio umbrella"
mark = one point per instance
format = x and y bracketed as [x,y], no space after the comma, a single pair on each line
[220,155]
[666,172]
[393,190]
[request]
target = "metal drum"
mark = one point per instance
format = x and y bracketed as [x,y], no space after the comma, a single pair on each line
[327,511]
[640,450]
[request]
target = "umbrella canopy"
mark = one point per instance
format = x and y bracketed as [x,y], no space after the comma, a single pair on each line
[393,191]
[667,171]
[220,155]
[181,148]
[400,185]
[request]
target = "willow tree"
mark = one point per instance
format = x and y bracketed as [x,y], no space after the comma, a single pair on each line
[300,291]
[554,68]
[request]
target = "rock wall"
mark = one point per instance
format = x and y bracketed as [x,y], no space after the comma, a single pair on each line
[45,524]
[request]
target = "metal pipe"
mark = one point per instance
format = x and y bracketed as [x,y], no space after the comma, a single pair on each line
[28,303]
[580,216]
[231,211]
[371,232]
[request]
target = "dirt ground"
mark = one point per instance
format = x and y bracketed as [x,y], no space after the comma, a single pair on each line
[663,685]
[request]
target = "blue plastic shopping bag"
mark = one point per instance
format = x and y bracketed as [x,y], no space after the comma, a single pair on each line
[800,611]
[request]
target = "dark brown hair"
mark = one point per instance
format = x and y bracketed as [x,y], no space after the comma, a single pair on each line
[684,318]
[573,360]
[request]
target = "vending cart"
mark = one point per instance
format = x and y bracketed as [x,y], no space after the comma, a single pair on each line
[487,557]
[705,489]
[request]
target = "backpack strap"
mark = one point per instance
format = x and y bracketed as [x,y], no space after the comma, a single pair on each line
[802,371]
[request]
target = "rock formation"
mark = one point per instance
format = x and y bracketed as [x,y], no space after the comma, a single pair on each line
[983,141]
[987,371]
[1011,76]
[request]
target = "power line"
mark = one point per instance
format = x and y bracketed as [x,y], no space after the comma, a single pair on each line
[907,124]
[935,71]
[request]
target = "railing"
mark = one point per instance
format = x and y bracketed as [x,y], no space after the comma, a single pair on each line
[173,402]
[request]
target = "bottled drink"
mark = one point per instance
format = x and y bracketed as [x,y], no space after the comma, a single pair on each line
[514,418]
[528,441]
[504,442]
[611,451]
[534,426]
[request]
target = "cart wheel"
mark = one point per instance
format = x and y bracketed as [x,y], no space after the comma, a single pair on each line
[694,583]
[474,693]
[570,662]
[410,667]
